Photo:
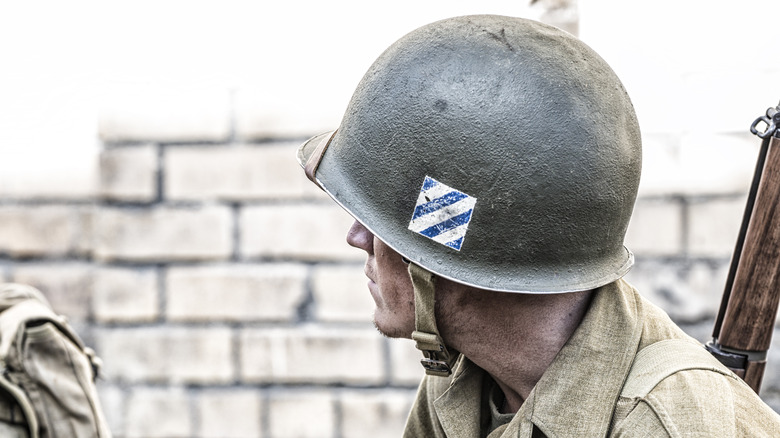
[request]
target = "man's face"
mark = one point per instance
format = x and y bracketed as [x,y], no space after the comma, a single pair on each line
[389,283]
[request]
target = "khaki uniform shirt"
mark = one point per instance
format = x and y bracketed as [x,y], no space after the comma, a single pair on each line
[579,395]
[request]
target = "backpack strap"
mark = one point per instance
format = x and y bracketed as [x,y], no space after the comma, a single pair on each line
[24,403]
[658,361]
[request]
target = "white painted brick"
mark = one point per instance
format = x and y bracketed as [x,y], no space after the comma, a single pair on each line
[112,401]
[701,331]
[68,286]
[719,163]
[772,373]
[714,226]
[771,398]
[733,108]
[237,173]
[662,172]
[129,173]
[692,71]
[163,233]
[655,228]
[50,179]
[85,242]
[698,295]
[559,13]
[383,413]
[311,232]
[405,364]
[278,115]
[706,283]
[302,414]
[312,354]
[235,292]
[158,413]
[341,294]
[124,294]
[48,230]
[697,163]
[167,354]
[229,413]
[687,293]
[657,112]
[167,114]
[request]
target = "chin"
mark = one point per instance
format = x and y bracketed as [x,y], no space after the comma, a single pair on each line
[391,330]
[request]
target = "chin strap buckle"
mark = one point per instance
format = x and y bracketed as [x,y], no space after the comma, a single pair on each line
[437,368]
[436,361]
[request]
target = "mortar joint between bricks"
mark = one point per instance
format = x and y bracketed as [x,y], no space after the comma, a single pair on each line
[305,309]
[388,362]
[685,226]
[236,354]
[192,406]
[338,417]
[235,208]
[232,120]
[160,174]
[162,292]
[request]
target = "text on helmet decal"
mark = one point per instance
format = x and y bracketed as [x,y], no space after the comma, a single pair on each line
[442,213]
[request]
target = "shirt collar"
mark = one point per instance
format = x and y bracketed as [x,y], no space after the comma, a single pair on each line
[588,373]
[459,408]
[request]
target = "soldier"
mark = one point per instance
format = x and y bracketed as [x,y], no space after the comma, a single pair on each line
[491,165]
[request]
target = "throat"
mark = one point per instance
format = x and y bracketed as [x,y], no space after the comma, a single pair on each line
[505,400]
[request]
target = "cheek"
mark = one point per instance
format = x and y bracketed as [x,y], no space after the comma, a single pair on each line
[393,274]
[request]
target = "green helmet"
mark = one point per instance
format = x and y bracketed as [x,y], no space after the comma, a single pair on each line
[497,152]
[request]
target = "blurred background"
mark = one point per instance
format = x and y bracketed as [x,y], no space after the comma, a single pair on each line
[148,186]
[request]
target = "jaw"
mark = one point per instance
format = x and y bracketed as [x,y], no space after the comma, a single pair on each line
[394,324]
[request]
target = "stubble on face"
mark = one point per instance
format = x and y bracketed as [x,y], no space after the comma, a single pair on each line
[394,293]
[389,284]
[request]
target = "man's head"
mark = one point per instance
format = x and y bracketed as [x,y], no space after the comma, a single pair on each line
[497,153]
[494,151]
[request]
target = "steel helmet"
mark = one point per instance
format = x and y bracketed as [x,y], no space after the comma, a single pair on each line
[497,152]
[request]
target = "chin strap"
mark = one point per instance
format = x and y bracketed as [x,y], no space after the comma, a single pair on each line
[437,361]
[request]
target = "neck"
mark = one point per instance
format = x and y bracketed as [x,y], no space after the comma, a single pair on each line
[513,337]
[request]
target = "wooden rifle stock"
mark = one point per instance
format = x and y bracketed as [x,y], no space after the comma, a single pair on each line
[746,320]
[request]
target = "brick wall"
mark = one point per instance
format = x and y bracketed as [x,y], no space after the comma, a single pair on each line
[219,306]
[215,282]
[221,291]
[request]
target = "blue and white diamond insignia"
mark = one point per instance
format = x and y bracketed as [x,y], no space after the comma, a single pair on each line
[442,213]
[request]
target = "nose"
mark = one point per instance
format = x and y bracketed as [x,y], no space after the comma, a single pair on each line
[359,237]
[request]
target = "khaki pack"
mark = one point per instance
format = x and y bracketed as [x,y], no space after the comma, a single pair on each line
[47,375]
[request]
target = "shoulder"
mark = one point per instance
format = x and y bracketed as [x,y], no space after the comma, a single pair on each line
[696,402]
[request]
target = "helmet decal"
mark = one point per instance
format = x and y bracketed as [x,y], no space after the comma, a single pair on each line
[442,213]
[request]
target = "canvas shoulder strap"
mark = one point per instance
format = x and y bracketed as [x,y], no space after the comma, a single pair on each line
[658,361]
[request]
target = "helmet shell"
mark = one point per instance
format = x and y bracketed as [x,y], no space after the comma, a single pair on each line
[521,118]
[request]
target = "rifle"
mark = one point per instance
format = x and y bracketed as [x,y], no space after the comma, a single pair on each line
[746,319]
